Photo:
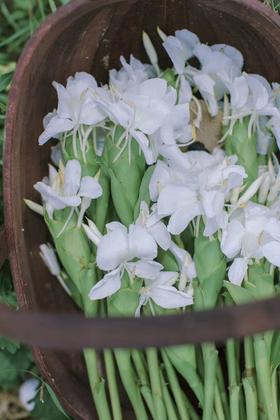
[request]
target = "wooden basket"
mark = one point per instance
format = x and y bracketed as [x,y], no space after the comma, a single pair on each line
[90,36]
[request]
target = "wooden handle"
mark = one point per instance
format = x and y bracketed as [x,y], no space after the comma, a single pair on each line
[3,246]
[74,332]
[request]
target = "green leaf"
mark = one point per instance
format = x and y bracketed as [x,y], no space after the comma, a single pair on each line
[275,351]
[5,80]
[238,294]
[144,193]
[9,345]
[244,147]
[46,408]
[56,401]
[211,270]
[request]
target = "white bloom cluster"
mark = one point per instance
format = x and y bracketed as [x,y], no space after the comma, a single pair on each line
[187,189]
[164,188]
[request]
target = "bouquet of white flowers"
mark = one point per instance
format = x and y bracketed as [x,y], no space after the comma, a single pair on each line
[163,197]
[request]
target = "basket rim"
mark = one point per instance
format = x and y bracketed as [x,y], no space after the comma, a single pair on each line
[33,328]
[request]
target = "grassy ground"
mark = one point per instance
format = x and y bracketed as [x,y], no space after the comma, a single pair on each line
[18,20]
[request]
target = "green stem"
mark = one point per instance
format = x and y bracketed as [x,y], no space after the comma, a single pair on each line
[139,363]
[128,378]
[218,404]
[175,387]
[264,377]
[112,384]
[97,385]
[170,409]
[222,390]
[189,373]
[249,356]
[249,384]
[210,357]
[192,413]
[154,373]
[250,398]
[233,386]
[275,389]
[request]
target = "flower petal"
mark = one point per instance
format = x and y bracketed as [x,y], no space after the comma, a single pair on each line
[72,177]
[109,285]
[141,243]
[54,128]
[161,235]
[232,239]
[181,218]
[174,197]
[145,269]
[169,297]
[159,179]
[271,252]
[112,250]
[90,188]
[53,199]
[237,271]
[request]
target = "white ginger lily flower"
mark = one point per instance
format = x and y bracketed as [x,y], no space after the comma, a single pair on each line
[130,74]
[92,232]
[116,253]
[156,228]
[205,196]
[56,155]
[186,265]
[162,291]
[179,168]
[273,124]
[151,52]
[27,392]
[76,107]
[176,129]
[180,48]
[220,65]
[66,188]
[48,255]
[141,110]
[251,234]
[251,96]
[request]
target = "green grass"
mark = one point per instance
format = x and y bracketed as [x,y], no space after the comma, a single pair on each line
[274,4]
[18,20]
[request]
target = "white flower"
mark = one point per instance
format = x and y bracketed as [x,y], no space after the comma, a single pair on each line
[153,224]
[116,253]
[220,65]
[48,255]
[211,178]
[76,106]
[186,265]
[130,74]
[27,392]
[66,188]
[251,96]
[253,233]
[180,48]
[162,291]
[151,52]
[206,87]
[141,110]
[163,175]
[56,155]
[92,232]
